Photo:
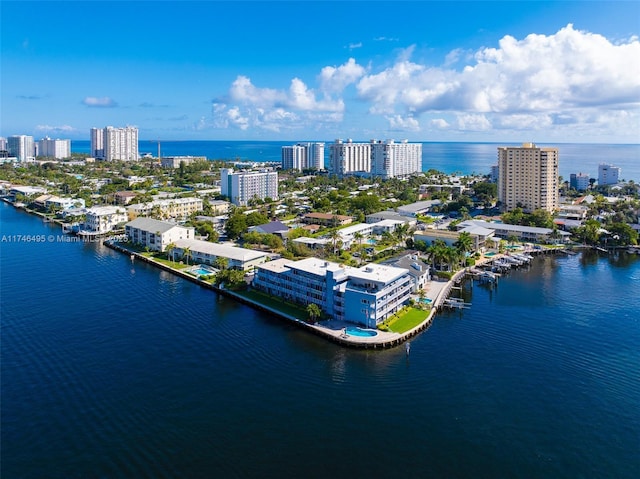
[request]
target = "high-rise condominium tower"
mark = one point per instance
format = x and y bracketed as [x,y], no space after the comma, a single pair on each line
[528,178]
[303,156]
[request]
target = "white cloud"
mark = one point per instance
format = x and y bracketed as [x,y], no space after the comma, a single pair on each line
[353,46]
[56,129]
[539,75]
[439,123]
[336,79]
[398,123]
[473,122]
[99,102]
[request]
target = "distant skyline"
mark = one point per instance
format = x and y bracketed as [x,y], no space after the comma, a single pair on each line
[538,71]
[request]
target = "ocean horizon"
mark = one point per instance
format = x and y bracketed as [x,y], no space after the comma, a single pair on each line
[447,157]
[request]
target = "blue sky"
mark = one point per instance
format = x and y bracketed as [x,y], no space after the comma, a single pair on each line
[426,71]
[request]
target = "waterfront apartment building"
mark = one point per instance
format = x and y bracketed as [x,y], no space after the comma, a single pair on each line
[58,149]
[395,160]
[156,234]
[115,143]
[22,147]
[608,174]
[528,178]
[303,156]
[205,252]
[103,219]
[579,181]
[242,187]
[347,157]
[365,296]
[171,208]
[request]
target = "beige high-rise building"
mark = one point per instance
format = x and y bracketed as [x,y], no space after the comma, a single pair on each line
[528,178]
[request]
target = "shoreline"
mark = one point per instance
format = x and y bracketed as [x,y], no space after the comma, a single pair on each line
[332,330]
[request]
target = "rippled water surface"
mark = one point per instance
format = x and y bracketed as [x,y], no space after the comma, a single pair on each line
[111,368]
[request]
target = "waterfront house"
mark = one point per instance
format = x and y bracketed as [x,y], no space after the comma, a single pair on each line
[530,234]
[103,219]
[156,234]
[418,270]
[48,202]
[205,252]
[390,215]
[365,296]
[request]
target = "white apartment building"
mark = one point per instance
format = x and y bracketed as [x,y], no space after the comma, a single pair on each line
[349,157]
[58,149]
[155,234]
[391,160]
[242,187]
[22,147]
[120,144]
[174,208]
[303,156]
[528,178]
[97,143]
[608,174]
[205,252]
[102,219]
[365,296]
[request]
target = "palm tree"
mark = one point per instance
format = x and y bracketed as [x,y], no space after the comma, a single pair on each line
[512,239]
[171,247]
[334,236]
[465,243]
[437,252]
[186,254]
[221,263]
[314,312]
[402,232]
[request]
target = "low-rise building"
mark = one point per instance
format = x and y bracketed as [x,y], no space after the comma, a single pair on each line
[530,234]
[365,296]
[103,219]
[418,208]
[326,219]
[124,197]
[418,270]
[204,252]
[156,234]
[57,203]
[175,208]
[174,161]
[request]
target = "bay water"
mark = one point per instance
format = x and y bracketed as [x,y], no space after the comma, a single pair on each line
[111,368]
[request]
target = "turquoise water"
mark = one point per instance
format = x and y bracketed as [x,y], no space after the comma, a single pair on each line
[361,332]
[201,271]
[115,369]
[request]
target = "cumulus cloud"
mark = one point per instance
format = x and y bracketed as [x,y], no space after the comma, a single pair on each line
[336,79]
[570,79]
[55,129]
[247,105]
[540,75]
[398,123]
[99,102]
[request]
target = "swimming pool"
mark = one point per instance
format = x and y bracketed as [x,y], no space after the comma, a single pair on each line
[201,271]
[361,332]
[427,300]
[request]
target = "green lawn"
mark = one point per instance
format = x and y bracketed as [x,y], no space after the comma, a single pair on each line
[275,303]
[408,320]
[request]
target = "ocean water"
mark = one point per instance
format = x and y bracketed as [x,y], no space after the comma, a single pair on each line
[464,158]
[113,369]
